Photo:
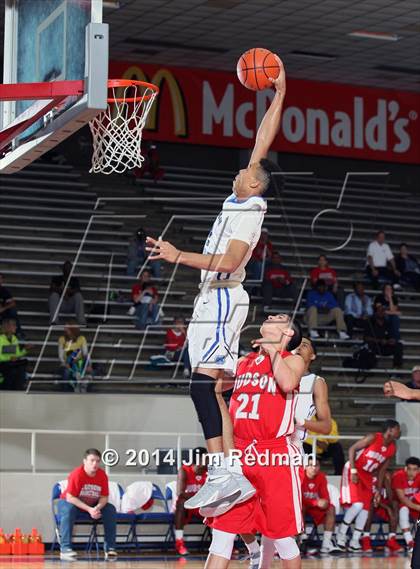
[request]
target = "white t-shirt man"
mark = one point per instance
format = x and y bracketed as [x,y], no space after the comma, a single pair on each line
[380,254]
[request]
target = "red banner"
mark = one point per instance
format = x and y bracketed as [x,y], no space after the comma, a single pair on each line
[199,106]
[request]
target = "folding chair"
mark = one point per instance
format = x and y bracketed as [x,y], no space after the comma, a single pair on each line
[162,517]
[82,518]
[130,520]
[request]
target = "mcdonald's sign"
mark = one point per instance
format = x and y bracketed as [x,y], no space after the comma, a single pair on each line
[199,106]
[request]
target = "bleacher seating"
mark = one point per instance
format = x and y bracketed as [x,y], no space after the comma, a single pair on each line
[52,213]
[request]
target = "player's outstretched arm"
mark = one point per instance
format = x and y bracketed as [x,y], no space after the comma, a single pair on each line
[270,124]
[224,263]
[322,424]
[397,389]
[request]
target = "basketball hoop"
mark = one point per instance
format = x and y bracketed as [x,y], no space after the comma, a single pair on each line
[117,131]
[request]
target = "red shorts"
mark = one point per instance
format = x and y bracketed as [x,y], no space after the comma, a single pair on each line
[276,509]
[360,492]
[317,514]
[382,513]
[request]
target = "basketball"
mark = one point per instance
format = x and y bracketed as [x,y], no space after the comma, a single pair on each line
[256,66]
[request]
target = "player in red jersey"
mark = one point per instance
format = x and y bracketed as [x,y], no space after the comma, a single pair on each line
[406,484]
[262,411]
[368,458]
[316,503]
[190,479]
[385,510]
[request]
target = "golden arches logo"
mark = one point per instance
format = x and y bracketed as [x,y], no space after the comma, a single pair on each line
[160,78]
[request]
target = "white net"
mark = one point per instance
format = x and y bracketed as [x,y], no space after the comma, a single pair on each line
[117,131]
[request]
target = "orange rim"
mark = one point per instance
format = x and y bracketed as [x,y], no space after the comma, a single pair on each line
[115,83]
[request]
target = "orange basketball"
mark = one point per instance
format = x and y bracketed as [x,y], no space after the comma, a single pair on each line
[255,66]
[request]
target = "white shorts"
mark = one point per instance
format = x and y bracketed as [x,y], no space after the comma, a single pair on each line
[215,327]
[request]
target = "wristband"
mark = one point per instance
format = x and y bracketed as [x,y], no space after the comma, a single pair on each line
[353,470]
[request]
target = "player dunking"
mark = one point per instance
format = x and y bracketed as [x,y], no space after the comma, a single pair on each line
[221,307]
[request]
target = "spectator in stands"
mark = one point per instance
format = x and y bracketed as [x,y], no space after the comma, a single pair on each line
[378,336]
[189,481]
[326,273]
[322,308]
[380,264]
[73,300]
[328,448]
[277,282]
[145,301]
[261,257]
[137,255]
[316,504]
[409,268]
[8,308]
[87,490]
[406,484]
[175,344]
[358,308]
[12,358]
[151,164]
[415,378]
[392,311]
[76,370]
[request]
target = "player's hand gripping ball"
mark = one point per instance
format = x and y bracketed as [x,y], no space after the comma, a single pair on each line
[257,68]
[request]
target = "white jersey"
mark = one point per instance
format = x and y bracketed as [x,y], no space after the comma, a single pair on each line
[241,220]
[305,408]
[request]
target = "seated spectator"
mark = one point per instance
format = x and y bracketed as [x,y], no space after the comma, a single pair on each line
[316,503]
[415,378]
[260,258]
[87,491]
[392,312]
[145,301]
[137,255]
[326,273]
[358,308]
[327,448]
[151,164]
[409,268]
[175,344]
[72,301]
[8,308]
[76,370]
[12,358]
[190,479]
[378,336]
[406,484]
[322,308]
[380,265]
[277,282]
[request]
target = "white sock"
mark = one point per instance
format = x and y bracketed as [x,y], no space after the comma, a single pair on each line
[216,463]
[366,534]
[234,464]
[408,537]
[253,547]
[391,534]
[356,535]
[179,534]
[327,537]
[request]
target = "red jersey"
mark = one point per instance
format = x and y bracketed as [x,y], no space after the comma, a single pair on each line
[258,408]
[314,489]
[174,340]
[87,488]
[278,277]
[260,247]
[400,481]
[328,275]
[372,457]
[194,481]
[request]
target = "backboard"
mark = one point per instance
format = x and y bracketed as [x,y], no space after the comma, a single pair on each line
[51,41]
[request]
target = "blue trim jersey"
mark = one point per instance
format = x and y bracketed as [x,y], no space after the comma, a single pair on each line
[240,220]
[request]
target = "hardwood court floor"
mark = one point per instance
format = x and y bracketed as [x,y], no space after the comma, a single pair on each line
[195,562]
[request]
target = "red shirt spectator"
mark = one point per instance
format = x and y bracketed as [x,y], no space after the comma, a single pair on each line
[264,244]
[278,276]
[323,271]
[176,336]
[407,480]
[314,489]
[87,488]
[139,286]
